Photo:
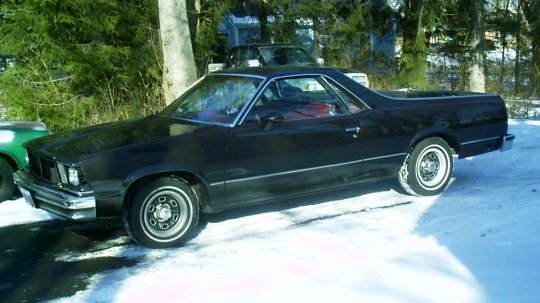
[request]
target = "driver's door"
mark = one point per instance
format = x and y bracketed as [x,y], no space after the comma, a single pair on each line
[299,136]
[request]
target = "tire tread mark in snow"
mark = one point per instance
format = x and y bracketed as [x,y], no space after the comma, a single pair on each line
[367,209]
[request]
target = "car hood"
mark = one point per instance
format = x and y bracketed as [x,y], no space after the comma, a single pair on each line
[14,125]
[75,145]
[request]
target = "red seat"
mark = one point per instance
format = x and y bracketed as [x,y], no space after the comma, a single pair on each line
[321,109]
[311,110]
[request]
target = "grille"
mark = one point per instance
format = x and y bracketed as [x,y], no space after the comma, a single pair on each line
[44,168]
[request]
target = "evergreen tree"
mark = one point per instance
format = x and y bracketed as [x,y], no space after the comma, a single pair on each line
[209,42]
[417,19]
[342,27]
[80,62]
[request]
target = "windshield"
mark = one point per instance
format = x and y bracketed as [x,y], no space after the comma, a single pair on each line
[215,99]
[287,56]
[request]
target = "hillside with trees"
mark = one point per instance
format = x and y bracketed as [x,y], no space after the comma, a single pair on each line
[79,63]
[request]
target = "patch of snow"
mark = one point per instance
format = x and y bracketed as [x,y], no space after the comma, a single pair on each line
[14,212]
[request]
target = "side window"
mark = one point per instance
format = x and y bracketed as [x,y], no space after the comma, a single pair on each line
[354,105]
[241,58]
[297,98]
[251,54]
[243,55]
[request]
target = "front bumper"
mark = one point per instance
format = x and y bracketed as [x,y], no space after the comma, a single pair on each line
[67,204]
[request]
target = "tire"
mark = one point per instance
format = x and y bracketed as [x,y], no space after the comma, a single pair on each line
[7,187]
[163,213]
[427,169]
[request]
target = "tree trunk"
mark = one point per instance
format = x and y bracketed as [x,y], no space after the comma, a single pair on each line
[519,46]
[193,12]
[517,67]
[531,9]
[535,66]
[316,52]
[477,45]
[179,70]
[263,21]
[504,45]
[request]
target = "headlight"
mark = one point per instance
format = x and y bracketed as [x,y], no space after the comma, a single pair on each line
[69,175]
[73,176]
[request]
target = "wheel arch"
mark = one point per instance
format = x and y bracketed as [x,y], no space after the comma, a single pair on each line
[198,183]
[445,134]
[10,160]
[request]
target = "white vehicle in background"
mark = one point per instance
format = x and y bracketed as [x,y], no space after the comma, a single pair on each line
[251,55]
[359,77]
[534,111]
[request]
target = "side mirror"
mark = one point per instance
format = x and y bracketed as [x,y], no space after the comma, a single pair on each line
[271,119]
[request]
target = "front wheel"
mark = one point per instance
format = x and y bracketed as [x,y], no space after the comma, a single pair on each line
[164,212]
[427,169]
[7,187]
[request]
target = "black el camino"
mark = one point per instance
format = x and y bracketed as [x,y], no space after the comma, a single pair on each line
[245,136]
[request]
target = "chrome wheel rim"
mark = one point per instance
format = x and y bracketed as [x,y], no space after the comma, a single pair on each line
[432,167]
[166,213]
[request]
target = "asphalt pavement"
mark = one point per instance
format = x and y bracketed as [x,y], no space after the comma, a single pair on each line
[30,267]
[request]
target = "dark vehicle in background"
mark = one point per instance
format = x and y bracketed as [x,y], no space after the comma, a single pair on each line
[255,55]
[12,153]
[252,135]
[269,54]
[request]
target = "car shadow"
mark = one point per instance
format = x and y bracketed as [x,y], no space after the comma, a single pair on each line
[33,254]
[284,204]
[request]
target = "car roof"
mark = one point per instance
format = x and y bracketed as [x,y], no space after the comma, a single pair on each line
[272,71]
[264,45]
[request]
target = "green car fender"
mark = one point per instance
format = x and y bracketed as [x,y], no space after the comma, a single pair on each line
[12,153]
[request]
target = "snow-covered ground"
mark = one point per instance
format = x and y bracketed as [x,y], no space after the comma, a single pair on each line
[479,241]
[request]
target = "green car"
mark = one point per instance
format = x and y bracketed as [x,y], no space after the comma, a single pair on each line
[12,153]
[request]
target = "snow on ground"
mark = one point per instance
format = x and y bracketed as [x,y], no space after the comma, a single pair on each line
[18,212]
[479,241]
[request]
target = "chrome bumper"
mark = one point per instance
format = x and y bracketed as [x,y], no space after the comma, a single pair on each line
[71,205]
[507,142]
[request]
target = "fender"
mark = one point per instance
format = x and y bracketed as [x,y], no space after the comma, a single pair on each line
[159,169]
[441,131]
[11,149]
[110,195]
[182,171]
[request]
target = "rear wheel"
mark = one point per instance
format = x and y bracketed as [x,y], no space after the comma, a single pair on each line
[164,213]
[7,187]
[427,168]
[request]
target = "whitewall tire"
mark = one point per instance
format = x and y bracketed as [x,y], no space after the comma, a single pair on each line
[427,169]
